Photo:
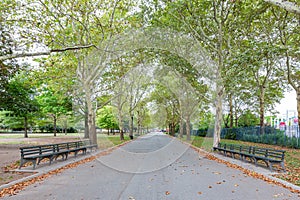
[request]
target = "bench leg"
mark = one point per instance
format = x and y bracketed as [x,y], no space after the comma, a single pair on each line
[34,163]
[21,163]
[51,158]
[39,161]
[255,161]
[282,166]
[270,166]
[67,154]
[241,157]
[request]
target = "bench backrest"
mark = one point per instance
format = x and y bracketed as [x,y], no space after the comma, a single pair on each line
[48,148]
[270,153]
[36,150]
[266,152]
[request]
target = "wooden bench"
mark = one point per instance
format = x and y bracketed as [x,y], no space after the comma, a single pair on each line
[253,154]
[35,154]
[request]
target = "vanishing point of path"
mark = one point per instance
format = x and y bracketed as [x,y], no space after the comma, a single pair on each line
[153,167]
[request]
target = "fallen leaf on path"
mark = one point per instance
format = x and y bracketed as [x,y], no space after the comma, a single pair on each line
[183,166]
[199,192]
[250,173]
[167,193]
[14,189]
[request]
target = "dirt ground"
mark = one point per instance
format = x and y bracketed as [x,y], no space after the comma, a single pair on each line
[10,154]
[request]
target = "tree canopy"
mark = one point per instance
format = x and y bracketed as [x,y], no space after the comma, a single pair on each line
[95,58]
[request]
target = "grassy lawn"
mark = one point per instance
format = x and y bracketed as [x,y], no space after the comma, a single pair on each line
[292,156]
[106,141]
[15,140]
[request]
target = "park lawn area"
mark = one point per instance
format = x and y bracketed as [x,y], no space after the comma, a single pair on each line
[11,143]
[107,141]
[292,156]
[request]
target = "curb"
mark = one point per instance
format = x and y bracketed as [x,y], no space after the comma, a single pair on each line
[91,157]
[293,188]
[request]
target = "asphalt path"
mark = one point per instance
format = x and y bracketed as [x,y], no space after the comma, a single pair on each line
[155,167]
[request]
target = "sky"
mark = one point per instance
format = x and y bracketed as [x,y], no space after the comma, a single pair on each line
[287,103]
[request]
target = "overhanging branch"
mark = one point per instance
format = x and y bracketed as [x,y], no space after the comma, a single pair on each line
[43,53]
[289,6]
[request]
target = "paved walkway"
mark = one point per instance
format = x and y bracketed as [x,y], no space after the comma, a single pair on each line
[153,167]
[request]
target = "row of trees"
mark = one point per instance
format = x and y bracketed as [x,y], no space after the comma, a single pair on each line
[254,46]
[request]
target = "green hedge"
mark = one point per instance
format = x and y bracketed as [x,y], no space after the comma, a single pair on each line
[271,136]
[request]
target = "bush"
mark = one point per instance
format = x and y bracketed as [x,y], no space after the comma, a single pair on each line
[204,132]
[271,136]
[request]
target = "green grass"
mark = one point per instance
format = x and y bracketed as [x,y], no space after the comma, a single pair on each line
[116,139]
[105,141]
[202,142]
[38,135]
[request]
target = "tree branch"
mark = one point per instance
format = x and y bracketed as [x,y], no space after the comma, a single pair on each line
[43,53]
[289,6]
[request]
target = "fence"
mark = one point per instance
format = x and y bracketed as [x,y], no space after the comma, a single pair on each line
[288,137]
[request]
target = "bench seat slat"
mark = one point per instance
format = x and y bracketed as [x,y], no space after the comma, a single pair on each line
[37,153]
[268,155]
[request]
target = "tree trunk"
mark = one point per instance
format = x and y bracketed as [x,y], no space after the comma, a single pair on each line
[219,82]
[231,111]
[120,120]
[92,128]
[173,128]
[86,124]
[54,125]
[170,128]
[188,128]
[121,134]
[181,127]
[131,126]
[218,116]
[25,127]
[66,126]
[298,106]
[91,117]
[262,109]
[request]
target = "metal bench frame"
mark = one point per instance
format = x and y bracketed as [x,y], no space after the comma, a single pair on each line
[253,154]
[35,154]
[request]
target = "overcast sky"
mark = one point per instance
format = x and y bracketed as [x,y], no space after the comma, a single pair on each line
[287,103]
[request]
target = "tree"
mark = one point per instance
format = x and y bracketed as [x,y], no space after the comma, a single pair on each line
[51,27]
[288,29]
[167,106]
[8,68]
[54,104]
[20,100]
[208,22]
[136,87]
[106,118]
[248,119]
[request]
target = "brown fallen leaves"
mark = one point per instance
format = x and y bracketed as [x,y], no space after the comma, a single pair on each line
[14,189]
[245,171]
